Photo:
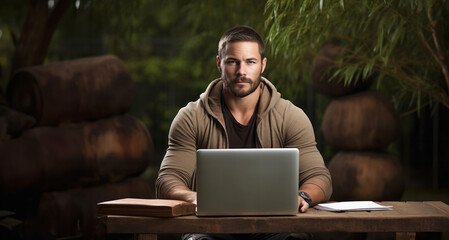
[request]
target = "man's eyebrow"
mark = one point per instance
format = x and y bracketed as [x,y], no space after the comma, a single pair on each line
[246,59]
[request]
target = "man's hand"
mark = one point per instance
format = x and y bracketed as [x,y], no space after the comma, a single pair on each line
[313,192]
[181,193]
[302,205]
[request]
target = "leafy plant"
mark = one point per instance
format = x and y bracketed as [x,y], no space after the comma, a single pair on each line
[404,42]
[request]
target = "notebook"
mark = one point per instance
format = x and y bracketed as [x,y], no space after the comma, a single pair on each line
[247,182]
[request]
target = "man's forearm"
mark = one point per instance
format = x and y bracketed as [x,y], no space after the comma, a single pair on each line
[315,193]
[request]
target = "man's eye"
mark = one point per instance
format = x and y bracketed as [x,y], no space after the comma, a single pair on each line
[231,62]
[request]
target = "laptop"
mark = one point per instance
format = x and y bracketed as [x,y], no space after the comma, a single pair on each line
[247,182]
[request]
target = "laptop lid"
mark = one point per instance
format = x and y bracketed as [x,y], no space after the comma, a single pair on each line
[261,181]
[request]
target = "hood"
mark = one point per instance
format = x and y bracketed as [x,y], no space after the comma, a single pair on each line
[211,98]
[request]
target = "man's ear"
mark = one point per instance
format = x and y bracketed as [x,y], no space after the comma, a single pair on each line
[219,63]
[264,64]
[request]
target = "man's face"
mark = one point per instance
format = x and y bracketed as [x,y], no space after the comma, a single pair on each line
[241,68]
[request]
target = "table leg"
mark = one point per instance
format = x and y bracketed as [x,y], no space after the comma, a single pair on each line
[405,236]
[145,236]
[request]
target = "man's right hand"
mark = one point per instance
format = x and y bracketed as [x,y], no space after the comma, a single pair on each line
[181,193]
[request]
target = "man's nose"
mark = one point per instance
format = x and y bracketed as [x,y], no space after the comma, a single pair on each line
[241,69]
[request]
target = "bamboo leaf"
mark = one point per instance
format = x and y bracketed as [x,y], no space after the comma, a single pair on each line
[383,34]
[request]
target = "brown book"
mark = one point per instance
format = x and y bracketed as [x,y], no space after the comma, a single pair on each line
[146,207]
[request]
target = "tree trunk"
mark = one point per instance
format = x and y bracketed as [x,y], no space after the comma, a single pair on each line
[37,32]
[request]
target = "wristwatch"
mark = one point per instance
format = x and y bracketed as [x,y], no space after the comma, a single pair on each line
[306,197]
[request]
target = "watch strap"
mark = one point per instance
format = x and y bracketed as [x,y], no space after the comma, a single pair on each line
[306,197]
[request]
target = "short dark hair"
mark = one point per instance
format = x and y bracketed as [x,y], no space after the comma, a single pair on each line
[240,34]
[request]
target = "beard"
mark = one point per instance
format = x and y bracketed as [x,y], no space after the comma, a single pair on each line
[232,87]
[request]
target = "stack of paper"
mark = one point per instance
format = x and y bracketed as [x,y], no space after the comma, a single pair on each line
[352,206]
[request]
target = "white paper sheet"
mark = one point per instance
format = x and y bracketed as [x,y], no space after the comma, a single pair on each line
[352,206]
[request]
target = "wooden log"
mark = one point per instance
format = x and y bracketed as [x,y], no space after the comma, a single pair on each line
[323,67]
[362,121]
[13,123]
[73,213]
[53,158]
[366,176]
[72,91]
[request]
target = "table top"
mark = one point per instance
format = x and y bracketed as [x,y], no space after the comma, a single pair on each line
[405,217]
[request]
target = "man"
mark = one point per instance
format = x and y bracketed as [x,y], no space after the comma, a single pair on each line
[241,110]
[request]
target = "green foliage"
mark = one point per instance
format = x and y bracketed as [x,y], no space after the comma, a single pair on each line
[168,46]
[171,56]
[11,20]
[11,13]
[403,42]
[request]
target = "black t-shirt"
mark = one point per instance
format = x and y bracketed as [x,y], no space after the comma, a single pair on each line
[240,136]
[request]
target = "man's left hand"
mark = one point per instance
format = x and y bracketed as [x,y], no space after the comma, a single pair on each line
[302,205]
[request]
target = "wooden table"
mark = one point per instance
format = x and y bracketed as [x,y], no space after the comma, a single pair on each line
[405,219]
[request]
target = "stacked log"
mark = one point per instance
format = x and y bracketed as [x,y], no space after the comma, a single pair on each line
[68,214]
[360,123]
[366,176]
[82,147]
[72,91]
[54,158]
[323,69]
[13,122]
